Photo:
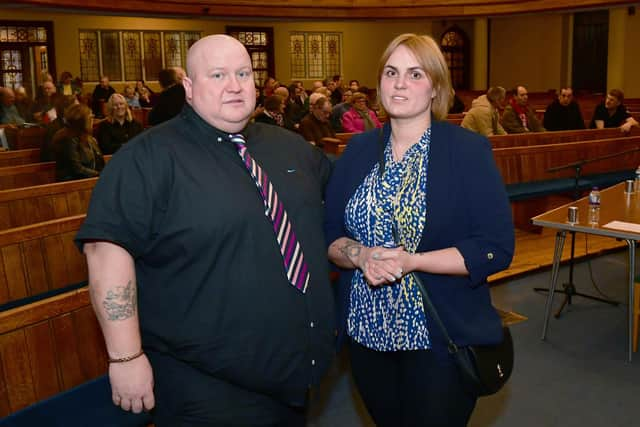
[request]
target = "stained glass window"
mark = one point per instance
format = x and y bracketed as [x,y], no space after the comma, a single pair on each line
[11,68]
[111,65]
[259,44]
[187,40]
[172,49]
[141,55]
[297,55]
[132,54]
[332,50]
[89,66]
[152,54]
[455,49]
[20,34]
[315,55]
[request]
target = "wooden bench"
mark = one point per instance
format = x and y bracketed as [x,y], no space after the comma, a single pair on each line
[558,137]
[30,174]
[533,189]
[22,138]
[40,258]
[19,157]
[29,205]
[53,364]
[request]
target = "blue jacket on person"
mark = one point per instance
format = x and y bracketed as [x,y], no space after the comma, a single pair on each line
[467,208]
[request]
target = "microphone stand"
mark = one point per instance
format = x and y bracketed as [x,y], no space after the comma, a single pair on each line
[569,289]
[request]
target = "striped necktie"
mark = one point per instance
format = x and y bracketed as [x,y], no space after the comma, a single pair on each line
[294,263]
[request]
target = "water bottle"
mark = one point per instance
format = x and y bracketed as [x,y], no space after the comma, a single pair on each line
[594,206]
[636,186]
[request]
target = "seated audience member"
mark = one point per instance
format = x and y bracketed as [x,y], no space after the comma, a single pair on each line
[101,94]
[336,90]
[270,84]
[612,113]
[484,115]
[518,116]
[170,101]
[296,103]
[131,97]
[359,118]
[68,86]
[77,154]
[273,113]
[291,111]
[60,104]
[339,110]
[458,106]
[563,113]
[119,127]
[140,86]
[145,98]
[24,104]
[45,103]
[354,85]
[315,125]
[8,110]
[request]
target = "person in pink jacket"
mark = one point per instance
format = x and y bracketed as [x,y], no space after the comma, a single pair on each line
[359,118]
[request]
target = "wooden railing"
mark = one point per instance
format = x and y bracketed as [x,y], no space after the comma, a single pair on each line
[29,205]
[19,157]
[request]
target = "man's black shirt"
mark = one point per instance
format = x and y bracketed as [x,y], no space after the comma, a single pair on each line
[212,289]
[560,117]
[617,119]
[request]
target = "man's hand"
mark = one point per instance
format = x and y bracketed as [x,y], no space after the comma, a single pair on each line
[132,385]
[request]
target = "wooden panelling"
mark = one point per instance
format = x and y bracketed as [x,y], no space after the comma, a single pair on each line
[40,257]
[48,347]
[331,9]
[30,175]
[19,157]
[524,164]
[559,137]
[28,205]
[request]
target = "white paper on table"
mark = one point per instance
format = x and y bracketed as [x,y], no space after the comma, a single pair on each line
[624,226]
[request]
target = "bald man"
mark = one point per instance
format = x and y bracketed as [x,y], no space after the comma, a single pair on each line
[186,275]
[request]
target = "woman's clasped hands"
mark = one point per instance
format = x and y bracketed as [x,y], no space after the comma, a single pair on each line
[383,266]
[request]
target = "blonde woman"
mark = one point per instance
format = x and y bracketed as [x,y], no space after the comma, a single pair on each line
[119,127]
[419,196]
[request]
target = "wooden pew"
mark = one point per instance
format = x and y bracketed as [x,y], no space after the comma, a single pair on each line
[30,174]
[525,170]
[22,138]
[29,205]
[558,137]
[47,347]
[39,258]
[19,157]
[141,115]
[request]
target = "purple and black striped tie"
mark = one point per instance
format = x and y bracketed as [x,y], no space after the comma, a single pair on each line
[294,263]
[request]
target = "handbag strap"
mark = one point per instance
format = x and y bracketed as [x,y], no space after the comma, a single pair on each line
[426,301]
[429,307]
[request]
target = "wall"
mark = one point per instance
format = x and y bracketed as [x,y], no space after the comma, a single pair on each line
[526,50]
[632,59]
[531,49]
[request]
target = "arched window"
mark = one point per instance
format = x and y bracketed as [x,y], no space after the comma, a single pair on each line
[455,47]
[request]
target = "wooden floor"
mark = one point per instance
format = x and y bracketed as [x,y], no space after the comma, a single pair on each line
[535,251]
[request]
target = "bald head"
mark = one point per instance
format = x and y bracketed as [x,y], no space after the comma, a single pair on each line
[220,85]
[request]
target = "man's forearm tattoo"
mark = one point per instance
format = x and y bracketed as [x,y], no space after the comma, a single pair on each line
[120,303]
[351,250]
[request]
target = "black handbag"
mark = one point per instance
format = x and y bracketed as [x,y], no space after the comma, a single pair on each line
[484,369]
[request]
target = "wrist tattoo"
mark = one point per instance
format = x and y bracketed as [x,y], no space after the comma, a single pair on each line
[351,250]
[120,303]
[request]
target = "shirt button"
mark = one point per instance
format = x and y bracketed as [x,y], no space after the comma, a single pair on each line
[311,325]
[490,255]
[313,362]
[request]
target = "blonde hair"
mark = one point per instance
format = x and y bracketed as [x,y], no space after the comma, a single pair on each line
[112,100]
[428,54]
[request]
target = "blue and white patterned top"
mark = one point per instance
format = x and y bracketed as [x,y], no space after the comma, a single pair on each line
[390,317]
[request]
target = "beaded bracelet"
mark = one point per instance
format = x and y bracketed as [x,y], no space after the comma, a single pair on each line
[126,359]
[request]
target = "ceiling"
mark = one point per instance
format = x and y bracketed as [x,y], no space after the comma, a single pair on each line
[316,9]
